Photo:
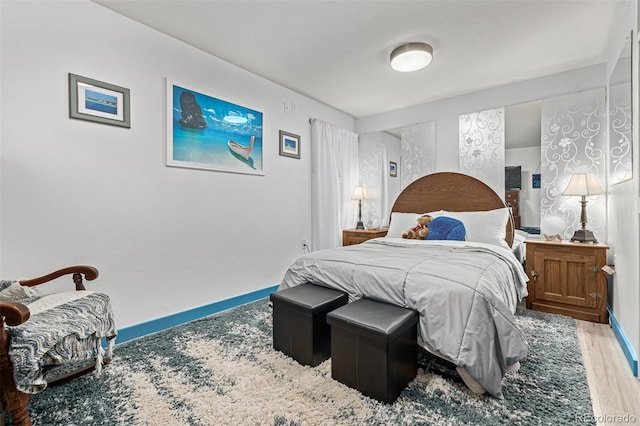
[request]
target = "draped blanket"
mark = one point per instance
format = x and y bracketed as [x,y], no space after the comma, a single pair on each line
[466,295]
[63,332]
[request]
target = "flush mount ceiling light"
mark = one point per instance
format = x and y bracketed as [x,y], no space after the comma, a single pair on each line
[411,57]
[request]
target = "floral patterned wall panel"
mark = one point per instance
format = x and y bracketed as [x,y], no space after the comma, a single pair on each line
[418,155]
[573,141]
[374,151]
[481,147]
[620,131]
[620,117]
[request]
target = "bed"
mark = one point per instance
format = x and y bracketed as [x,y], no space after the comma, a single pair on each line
[465,292]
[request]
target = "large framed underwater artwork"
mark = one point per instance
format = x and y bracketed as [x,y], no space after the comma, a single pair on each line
[209,133]
[98,101]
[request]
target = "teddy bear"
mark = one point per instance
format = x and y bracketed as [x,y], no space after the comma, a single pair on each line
[421,230]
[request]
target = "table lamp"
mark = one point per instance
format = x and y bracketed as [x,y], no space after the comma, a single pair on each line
[583,184]
[359,194]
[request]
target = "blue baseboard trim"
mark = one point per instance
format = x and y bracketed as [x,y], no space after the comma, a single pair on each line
[624,343]
[142,329]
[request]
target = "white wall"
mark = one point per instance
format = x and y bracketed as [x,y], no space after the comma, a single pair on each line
[623,207]
[77,192]
[529,159]
[394,145]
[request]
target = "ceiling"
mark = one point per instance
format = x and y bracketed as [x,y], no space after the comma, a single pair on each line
[337,52]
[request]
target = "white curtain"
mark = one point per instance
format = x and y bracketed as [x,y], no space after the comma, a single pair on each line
[334,175]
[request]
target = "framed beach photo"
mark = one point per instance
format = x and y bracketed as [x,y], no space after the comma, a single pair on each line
[393,169]
[209,133]
[289,144]
[98,101]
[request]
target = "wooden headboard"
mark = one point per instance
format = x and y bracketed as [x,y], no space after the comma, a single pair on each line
[455,192]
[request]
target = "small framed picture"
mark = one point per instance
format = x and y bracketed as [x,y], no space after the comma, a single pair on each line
[98,101]
[289,144]
[393,169]
[535,180]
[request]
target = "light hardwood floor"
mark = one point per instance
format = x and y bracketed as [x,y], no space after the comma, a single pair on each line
[615,392]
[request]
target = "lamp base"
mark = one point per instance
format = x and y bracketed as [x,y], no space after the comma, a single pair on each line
[584,236]
[359,225]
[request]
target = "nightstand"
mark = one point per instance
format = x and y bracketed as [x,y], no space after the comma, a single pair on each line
[566,278]
[357,236]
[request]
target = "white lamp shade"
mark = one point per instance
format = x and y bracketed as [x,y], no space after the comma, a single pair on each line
[583,184]
[359,193]
[411,57]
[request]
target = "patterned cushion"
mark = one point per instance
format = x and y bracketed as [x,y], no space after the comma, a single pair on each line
[17,293]
[5,283]
[62,333]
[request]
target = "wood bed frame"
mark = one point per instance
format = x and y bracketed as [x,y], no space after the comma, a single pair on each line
[451,191]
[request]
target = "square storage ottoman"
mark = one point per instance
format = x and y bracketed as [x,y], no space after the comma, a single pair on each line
[374,347]
[300,327]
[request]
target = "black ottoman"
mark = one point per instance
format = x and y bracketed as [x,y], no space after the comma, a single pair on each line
[374,348]
[300,327]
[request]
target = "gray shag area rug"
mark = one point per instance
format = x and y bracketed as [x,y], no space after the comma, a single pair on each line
[223,370]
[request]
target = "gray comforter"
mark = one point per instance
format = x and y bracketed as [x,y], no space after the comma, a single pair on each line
[466,295]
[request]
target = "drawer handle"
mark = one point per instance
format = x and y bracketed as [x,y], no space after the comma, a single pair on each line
[534,274]
[594,295]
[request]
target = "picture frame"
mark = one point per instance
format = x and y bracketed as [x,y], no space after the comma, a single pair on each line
[535,180]
[393,169]
[208,132]
[97,101]
[289,144]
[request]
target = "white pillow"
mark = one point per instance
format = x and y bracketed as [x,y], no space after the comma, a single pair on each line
[484,227]
[402,222]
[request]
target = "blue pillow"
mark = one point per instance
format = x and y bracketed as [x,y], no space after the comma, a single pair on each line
[446,228]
